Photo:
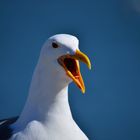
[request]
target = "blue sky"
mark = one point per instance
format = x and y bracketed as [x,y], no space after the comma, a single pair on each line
[109,33]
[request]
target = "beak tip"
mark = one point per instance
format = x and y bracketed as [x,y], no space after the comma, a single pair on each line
[89,67]
[83,91]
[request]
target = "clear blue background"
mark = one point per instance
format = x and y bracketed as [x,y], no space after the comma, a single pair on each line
[109,32]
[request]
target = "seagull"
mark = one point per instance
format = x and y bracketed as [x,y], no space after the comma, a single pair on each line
[46,114]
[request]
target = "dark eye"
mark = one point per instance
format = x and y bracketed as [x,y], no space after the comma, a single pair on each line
[54,45]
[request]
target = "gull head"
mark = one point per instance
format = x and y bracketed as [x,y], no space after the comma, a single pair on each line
[63,54]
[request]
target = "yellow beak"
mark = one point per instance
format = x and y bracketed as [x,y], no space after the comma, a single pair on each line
[82,57]
[70,64]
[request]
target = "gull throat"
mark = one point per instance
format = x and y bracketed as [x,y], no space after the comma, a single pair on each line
[48,97]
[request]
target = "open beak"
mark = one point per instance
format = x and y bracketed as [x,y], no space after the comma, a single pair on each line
[70,63]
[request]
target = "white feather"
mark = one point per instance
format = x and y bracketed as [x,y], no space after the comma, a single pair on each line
[47,115]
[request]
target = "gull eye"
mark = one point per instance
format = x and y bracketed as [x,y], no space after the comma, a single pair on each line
[54,45]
